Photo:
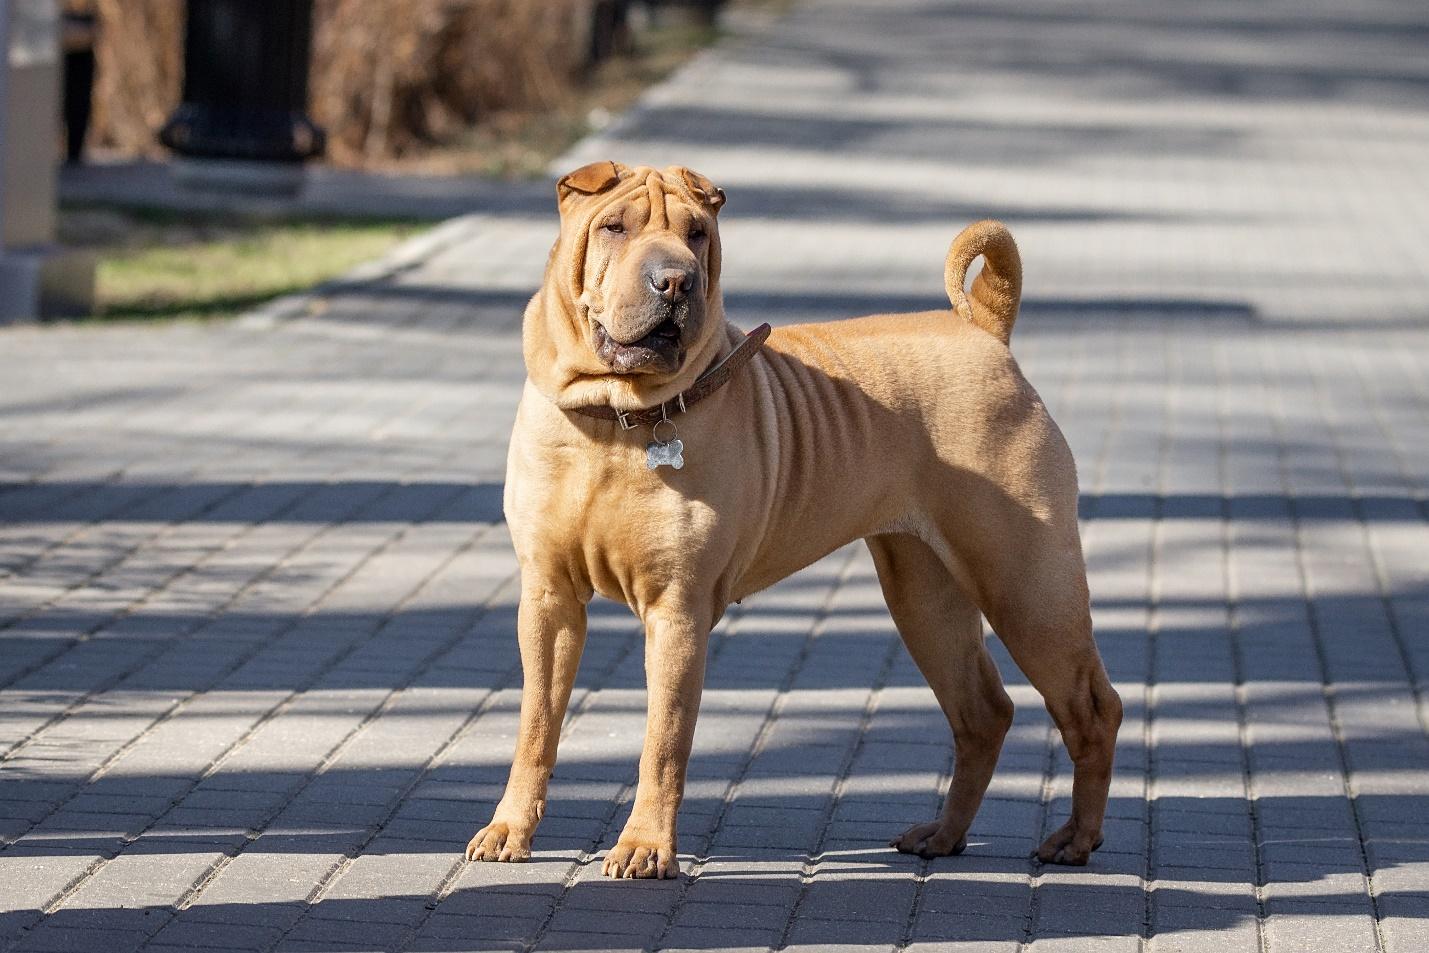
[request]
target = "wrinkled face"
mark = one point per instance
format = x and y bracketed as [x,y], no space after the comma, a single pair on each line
[650,257]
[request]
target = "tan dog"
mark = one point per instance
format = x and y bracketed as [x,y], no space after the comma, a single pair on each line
[914,432]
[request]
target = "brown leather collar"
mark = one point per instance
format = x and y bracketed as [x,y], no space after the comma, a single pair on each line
[704,385]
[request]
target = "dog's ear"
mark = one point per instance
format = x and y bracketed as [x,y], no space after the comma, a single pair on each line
[590,179]
[704,190]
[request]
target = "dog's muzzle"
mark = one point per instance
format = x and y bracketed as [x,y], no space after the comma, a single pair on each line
[660,350]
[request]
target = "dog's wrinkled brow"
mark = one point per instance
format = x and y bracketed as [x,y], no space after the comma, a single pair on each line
[656,184]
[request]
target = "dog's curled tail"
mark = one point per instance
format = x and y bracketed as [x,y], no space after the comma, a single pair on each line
[997,290]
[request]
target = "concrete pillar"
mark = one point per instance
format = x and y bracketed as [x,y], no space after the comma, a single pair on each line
[37,277]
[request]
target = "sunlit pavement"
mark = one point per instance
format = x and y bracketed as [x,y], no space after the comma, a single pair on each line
[257,602]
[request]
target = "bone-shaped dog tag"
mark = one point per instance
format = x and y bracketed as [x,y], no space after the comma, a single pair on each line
[669,453]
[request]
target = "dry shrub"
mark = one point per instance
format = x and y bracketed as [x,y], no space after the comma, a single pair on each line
[138,70]
[383,84]
[387,75]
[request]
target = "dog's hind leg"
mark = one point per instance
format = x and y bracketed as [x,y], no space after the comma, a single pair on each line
[943,632]
[1039,608]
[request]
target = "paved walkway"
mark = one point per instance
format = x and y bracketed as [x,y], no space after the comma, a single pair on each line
[259,676]
[328,192]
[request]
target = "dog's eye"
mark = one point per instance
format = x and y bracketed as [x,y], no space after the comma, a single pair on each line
[697,232]
[615,228]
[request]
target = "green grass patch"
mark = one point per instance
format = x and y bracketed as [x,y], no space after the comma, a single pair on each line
[209,265]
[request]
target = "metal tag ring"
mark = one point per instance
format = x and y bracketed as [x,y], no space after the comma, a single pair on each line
[655,430]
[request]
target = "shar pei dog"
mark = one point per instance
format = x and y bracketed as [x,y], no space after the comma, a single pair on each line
[664,459]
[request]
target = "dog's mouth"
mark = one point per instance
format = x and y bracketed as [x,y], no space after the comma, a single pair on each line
[656,352]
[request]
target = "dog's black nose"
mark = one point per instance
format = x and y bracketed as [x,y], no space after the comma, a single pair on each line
[672,284]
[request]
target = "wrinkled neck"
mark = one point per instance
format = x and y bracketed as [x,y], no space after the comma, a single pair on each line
[562,364]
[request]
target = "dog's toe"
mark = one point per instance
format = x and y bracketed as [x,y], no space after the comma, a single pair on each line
[639,861]
[930,840]
[501,842]
[1068,846]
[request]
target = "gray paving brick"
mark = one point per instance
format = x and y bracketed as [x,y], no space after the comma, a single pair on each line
[961,946]
[589,943]
[732,941]
[250,584]
[350,932]
[774,890]
[67,939]
[851,897]
[811,934]
[193,934]
[450,926]
[637,928]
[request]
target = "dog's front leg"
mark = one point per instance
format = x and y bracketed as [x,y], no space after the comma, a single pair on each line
[551,628]
[674,677]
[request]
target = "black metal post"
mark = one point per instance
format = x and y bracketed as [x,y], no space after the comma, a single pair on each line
[610,29]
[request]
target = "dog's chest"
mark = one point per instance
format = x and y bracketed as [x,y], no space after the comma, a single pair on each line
[624,526]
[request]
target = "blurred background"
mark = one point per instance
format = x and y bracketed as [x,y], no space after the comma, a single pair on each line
[477,85]
[380,97]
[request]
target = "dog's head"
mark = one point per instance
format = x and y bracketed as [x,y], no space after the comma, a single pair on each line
[641,253]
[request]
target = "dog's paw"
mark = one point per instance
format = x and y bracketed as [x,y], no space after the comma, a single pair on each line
[930,840]
[500,841]
[641,859]
[1069,846]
